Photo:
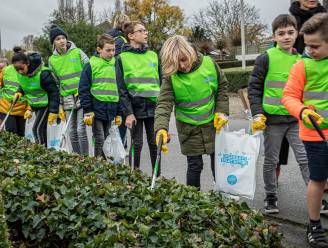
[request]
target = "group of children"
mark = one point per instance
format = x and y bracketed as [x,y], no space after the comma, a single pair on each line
[285,88]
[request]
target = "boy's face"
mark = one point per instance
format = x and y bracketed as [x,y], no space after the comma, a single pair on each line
[139,35]
[308,4]
[285,37]
[316,47]
[60,42]
[21,68]
[107,52]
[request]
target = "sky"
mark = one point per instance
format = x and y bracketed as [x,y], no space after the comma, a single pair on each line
[19,18]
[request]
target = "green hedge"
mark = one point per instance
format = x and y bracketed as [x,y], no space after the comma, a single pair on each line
[4,242]
[234,63]
[237,78]
[54,199]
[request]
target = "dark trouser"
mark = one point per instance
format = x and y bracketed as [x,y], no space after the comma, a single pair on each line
[138,141]
[100,131]
[14,124]
[40,126]
[195,167]
[122,128]
[284,151]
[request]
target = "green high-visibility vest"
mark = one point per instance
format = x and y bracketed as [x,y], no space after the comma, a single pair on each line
[35,95]
[316,88]
[141,74]
[68,68]
[11,84]
[280,63]
[195,93]
[104,87]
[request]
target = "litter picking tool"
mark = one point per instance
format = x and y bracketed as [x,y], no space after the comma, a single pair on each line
[61,143]
[131,152]
[7,115]
[158,158]
[244,100]
[318,129]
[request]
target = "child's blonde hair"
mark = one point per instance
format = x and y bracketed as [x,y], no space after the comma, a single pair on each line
[119,20]
[173,48]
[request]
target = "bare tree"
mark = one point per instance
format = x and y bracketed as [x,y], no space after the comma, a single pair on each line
[80,10]
[221,22]
[118,6]
[28,42]
[91,11]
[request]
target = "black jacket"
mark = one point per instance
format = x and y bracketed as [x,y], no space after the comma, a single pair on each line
[139,106]
[119,42]
[103,110]
[302,16]
[47,81]
[256,91]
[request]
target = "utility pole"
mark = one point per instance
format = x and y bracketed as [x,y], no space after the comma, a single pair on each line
[242,27]
[0,45]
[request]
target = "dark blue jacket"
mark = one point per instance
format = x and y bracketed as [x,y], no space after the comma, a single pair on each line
[119,42]
[103,111]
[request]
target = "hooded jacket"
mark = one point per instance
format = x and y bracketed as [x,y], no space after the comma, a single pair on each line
[119,42]
[139,106]
[103,111]
[68,101]
[48,82]
[194,140]
[302,16]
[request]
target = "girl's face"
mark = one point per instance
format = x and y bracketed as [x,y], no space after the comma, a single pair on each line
[60,42]
[308,4]
[184,64]
[21,68]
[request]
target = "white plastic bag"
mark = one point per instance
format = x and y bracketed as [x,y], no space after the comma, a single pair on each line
[236,154]
[28,128]
[113,147]
[55,134]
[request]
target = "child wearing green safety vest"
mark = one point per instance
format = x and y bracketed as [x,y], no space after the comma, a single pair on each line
[67,62]
[305,95]
[38,85]
[196,87]
[265,88]
[139,78]
[99,93]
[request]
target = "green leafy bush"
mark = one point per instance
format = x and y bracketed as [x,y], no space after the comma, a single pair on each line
[4,242]
[237,77]
[55,199]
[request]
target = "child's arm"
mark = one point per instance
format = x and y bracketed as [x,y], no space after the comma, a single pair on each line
[84,58]
[125,102]
[222,98]
[48,83]
[84,89]
[293,92]
[164,106]
[256,84]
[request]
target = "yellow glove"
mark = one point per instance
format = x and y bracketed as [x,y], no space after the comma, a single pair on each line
[76,94]
[17,96]
[118,120]
[28,114]
[88,118]
[165,135]
[51,118]
[306,119]
[258,122]
[62,115]
[220,120]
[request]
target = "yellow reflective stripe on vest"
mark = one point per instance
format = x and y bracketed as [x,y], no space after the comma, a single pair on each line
[272,100]
[70,86]
[38,99]
[104,80]
[104,92]
[11,83]
[195,103]
[69,76]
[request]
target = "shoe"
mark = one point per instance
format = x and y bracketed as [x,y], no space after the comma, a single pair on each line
[316,237]
[271,206]
[324,207]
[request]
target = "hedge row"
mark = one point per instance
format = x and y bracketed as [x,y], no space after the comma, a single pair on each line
[234,63]
[55,199]
[4,242]
[237,78]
